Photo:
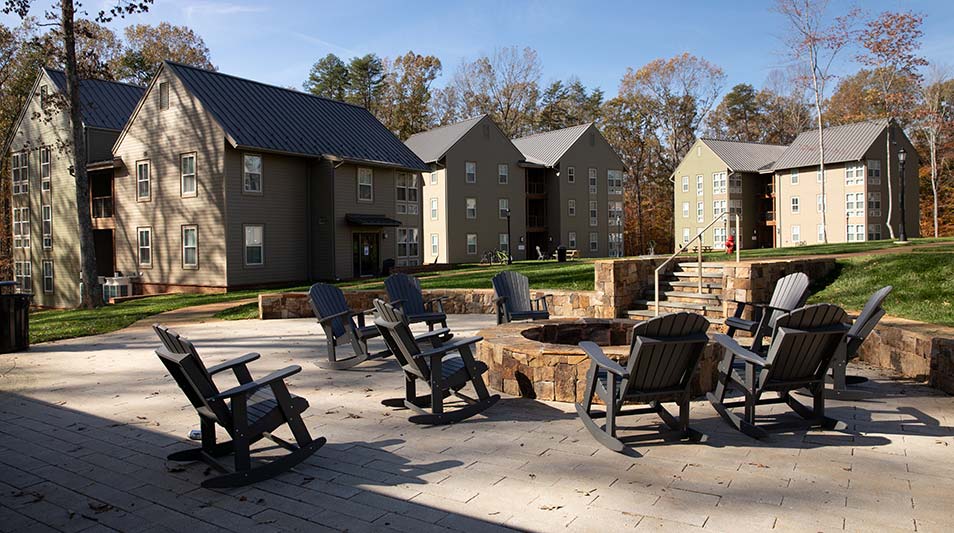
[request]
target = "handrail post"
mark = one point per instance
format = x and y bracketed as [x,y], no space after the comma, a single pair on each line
[657,292]
[699,256]
[738,238]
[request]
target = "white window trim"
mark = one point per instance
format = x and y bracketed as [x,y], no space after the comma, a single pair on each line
[467,241]
[500,208]
[593,176]
[467,174]
[246,246]
[794,176]
[503,242]
[187,227]
[261,175]
[145,163]
[183,175]
[505,175]
[614,180]
[571,174]
[594,213]
[23,271]
[21,238]
[435,209]
[685,184]
[164,88]
[594,241]
[47,223]
[46,169]
[406,206]
[47,277]
[359,173]
[571,207]
[571,239]
[404,236]
[435,244]
[795,204]
[467,209]
[685,210]
[139,247]
[20,172]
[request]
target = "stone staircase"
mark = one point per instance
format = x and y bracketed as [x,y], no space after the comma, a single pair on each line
[679,291]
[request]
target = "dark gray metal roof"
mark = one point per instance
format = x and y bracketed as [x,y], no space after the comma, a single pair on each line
[105,104]
[547,148]
[431,145]
[265,117]
[842,143]
[743,156]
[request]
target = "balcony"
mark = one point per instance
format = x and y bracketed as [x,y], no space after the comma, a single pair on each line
[102,207]
[536,223]
[768,191]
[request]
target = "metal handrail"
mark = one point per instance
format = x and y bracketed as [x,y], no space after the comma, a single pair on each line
[738,247]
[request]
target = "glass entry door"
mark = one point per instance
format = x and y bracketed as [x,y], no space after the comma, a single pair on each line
[365,253]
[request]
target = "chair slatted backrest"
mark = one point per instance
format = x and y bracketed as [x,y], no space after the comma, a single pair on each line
[664,352]
[407,289]
[791,292]
[327,300]
[515,287]
[804,342]
[196,383]
[870,316]
[394,328]
[175,343]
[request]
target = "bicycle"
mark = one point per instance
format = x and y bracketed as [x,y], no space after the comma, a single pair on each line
[494,257]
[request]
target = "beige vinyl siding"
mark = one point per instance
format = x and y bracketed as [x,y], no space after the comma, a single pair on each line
[701,160]
[437,227]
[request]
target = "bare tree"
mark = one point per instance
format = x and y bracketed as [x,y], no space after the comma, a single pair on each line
[504,85]
[815,42]
[935,119]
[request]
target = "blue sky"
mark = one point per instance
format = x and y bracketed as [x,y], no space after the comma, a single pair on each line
[276,42]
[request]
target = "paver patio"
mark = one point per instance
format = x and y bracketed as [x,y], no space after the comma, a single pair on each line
[85,425]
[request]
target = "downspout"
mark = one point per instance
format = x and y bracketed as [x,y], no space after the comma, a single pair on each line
[309,233]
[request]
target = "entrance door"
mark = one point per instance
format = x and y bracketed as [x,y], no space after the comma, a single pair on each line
[103,243]
[365,253]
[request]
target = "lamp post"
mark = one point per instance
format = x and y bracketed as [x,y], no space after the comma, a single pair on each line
[902,155]
[509,253]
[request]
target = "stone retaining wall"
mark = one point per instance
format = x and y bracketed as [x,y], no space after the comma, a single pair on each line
[910,349]
[755,281]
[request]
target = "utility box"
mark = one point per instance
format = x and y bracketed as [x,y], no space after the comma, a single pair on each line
[561,254]
[14,320]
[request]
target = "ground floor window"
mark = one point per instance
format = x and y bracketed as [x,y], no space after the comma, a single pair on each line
[821,233]
[503,242]
[254,244]
[796,234]
[407,242]
[856,232]
[21,227]
[718,237]
[594,242]
[685,234]
[47,276]
[571,239]
[23,272]
[874,232]
[190,247]
[145,246]
[471,244]
[435,244]
[616,245]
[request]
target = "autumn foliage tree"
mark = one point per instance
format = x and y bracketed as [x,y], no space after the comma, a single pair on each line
[147,46]
[404,108]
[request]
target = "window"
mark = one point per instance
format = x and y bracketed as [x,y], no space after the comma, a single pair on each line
[434,210]
[735,206]
[570,175]
[503,207]
[471,208]
[615,241]
[718,183]
[874,204]
[718,237]
[145,246]
[44,94]
[685,184]
[854,174]
[503,241]
[700,211]
[796,234]
[615,209]
[856,232]
[163,95]
[819,203]
[47,276]
[795,176]
[21,227]
[874,173]
[471,244]
[47,227]
[406,193]
[435,244]
[187,174]
[571,239]
[44,169]
[470,172]
[594,184]
[594,213]
[252,181]
[685,234]
[818,176]
[143,183]
[594,241]
[571,208]
[503,174]
[23,272]
[821,233]
[190,247]
[614,179]
[874,232]
[407,242]
[700,185]
[855,204]
[685,210]
[735,184]
[433,178]
[254,245]
[20,168]
[718,207]
[795,204]
[365,185]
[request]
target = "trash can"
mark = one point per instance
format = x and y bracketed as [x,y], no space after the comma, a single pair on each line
[14,320]
[561,254]
[386,267]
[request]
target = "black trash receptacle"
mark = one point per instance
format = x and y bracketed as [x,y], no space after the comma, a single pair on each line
[386,267]
[561,254]
[14,322]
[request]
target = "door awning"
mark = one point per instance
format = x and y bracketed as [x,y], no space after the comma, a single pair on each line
[370,220]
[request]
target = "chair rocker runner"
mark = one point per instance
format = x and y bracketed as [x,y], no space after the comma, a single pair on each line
[791,292]
[664,354]
[340,326]
[804,342]
[512,299]
[447,374]
[404,291]
[862,327]
[248,412]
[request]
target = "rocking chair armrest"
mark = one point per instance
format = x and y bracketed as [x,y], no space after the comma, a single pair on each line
[252,386]
[542,299]
[737,350]
[500,299]
[439,300]
[397,304]
[228,365]
[342,314]
[440,332]
[449,347]
[595,353]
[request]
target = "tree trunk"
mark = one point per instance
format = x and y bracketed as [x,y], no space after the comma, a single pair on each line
[821,150]
[91,294]
[640,250]
[932,144]
[888,177]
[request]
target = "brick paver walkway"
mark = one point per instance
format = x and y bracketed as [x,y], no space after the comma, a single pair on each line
[85,425]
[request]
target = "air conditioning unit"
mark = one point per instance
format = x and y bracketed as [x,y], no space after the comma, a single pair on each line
[117,286]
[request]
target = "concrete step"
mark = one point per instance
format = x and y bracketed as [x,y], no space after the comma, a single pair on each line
[694,275]
[683,306]
[666,295]
[644,314]
[693,285]
[695,266]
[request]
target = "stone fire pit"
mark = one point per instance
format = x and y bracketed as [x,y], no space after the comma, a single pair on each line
[541,360]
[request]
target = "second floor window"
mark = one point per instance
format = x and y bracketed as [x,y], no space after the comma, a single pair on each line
[471,208]
[570,175]
[614,179]
[20,169]
[190,247]
[571,208]
[470,172]
[594,213]
[819,203]
[407,242]
[145,246]
[685,184]
[254,245]
[700,185]
[685,210]
[143,184]
[718,183]
[874,204]
[795,176]
[365,185]
[407,193]
[21,227]
[874,173]
[44,169]
[434,210]
[700,211]
[594,183]
[188,180]
[47,227]
[503,205]
[854,174]
[252,173]
[795,202]
[615,209]
[718,207]
[503,174]
[855,204]
[735,184]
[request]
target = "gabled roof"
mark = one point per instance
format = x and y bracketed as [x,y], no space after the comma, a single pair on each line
[743,156]
[547,148]
[844,143]
[105,104]
[432,145]
[264,117]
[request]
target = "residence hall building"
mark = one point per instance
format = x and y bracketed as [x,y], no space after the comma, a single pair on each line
[38,156]
[781,203]
[227,182]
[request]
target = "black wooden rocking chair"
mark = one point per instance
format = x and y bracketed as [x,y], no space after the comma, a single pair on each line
[804,342]
[340,326]
[248,413]
[862,327]
[664,354]
[791,292]
[513,302]
[447,374]
[404,292]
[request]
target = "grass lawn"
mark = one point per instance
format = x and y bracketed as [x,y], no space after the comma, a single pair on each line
[923,284]
[823,249]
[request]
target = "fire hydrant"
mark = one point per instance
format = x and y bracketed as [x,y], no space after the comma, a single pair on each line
[730,244]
